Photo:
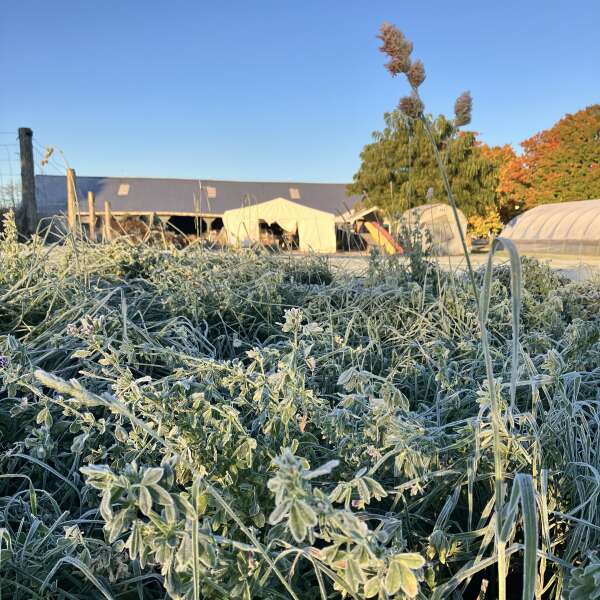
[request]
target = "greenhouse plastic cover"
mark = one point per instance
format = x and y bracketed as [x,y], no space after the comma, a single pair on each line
[315,228]
[563,228]
[439,220]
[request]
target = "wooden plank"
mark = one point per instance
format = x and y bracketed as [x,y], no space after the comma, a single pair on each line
[71,201]
[107,222]
[91,215]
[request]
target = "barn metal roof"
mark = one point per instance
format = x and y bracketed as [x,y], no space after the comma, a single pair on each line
[207,196]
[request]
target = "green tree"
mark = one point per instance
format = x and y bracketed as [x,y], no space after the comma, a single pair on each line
[398,168]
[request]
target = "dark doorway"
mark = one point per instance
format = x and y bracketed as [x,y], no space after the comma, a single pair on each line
[274,236]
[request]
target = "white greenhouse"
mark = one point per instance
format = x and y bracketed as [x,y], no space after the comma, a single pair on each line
[563,228]
[438,220]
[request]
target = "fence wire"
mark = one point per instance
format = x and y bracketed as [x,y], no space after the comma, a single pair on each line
[10,171]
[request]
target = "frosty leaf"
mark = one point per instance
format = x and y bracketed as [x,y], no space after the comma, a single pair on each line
[363,491]
[372,587]
[354,573]
[301,518]
[121,434]
[117,525]
[152,475]
[145,500]
[164,497]
[409,583]
[279,512]
[393,578]
[376,489]
[322,470]
[106,506]
[135,541]
[411,560]
[346,376]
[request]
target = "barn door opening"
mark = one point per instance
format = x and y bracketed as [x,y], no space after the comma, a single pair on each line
[274,236]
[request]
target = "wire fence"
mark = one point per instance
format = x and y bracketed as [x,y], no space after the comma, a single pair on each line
[45,163]
[10,170]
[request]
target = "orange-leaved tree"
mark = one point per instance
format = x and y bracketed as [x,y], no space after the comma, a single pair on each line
[557,165]
[503,160]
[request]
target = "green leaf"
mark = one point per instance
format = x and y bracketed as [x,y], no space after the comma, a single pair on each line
[98,476]
[121,434]
[372,587]
[308,514]
[78,443]
[106,506]
[409,584]
[530,530]
[117,525]
[135,541]
[410,560]
[152,475]
[201,503]
[354,573]
[376,489]
[163,496]
[339,492]
[145,500]
[393,578]
[363,491]
[279,512]
[322,470]
[33,500]
[300,519]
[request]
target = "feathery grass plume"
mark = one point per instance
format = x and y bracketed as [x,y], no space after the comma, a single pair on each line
[411,106]
[462,109]
[397,47]
[416,73]
[47,154]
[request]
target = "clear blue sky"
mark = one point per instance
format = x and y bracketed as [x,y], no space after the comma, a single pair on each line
[277,90]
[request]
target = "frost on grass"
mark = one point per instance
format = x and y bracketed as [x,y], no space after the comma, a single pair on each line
[243,425]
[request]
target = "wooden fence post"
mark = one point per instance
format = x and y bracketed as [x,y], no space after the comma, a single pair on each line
[107,222]
[92,216]
[28,206]
[71,201]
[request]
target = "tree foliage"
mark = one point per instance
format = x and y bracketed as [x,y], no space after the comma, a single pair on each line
[558,164]
[502,157]
[398,167]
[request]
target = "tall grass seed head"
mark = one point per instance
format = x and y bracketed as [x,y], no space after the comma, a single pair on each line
[416,73]
[411,106]
[397,47]
[462,109]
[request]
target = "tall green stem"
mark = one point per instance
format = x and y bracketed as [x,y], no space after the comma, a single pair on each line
[495,408]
